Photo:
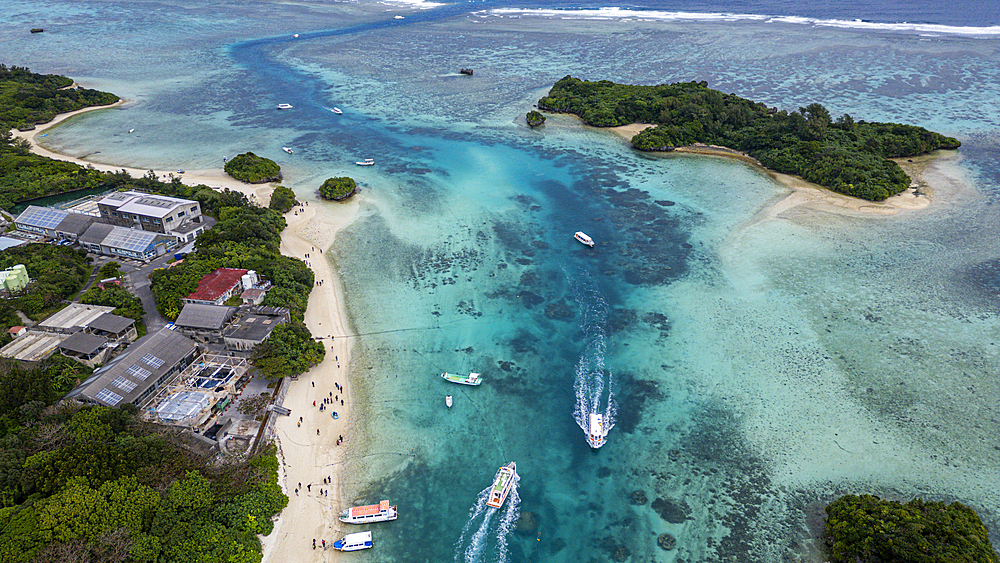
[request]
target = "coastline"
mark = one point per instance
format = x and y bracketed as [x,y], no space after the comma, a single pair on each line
[806,194]
[304,457]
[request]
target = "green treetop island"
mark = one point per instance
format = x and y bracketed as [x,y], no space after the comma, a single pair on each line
[844,155]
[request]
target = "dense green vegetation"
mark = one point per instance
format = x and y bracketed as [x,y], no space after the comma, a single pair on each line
[245,237]
[97,484]
[27,99]
[253,169]
[57,273]
[290,350]
[337,189]
[282,199]
[843,155]
[868,529]
[24,394]
[534,118]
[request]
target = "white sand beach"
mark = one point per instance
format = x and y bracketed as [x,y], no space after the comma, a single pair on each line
[308,452]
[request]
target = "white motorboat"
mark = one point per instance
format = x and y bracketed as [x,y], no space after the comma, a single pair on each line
[448,401]
[397,17]
[286,149]
[471,379]
[367,162]
[336,110]
[354,542]
[597,432]
[502,484]
[284,106]
[296,36]
[381,512]
[582,237]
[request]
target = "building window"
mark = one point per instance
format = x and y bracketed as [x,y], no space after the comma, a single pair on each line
[180,213]
[169,219]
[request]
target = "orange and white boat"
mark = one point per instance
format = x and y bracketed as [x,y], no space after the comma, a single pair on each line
[501,485]
[381,512]
[582,237]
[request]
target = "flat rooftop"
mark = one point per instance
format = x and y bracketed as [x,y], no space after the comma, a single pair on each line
[75,314]
[33,346]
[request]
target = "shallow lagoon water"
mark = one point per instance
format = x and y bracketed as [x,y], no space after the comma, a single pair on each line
[761,368]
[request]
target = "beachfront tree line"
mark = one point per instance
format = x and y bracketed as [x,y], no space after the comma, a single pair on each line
[844,155]
[27,99]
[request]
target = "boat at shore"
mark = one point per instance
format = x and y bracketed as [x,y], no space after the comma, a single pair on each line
[336,110]
[367,162]
[381,512]
[354,542]
[582,237]
[597,432]
[471,379]
[448,401]
[502,484]
[284,106]
[286,149]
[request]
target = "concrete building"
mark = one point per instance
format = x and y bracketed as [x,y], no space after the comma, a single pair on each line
[205,323]
[88,349]
[181,218]
[14,278]
[7,242]
[53,223]
[137,374]
[74,317]
[255,327]
[218,286]
[115,328]
[33,346]
[137,244]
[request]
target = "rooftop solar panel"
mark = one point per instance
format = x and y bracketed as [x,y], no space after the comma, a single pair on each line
[123,383]
[44,217]
[137,372]
[109,398]
[152,360]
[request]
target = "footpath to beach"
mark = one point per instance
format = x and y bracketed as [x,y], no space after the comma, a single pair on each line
[308,451]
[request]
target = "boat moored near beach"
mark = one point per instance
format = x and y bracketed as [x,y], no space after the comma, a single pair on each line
[502,484]
[286,149]
[471,379]
[582,237]
[381,512]
[354,542]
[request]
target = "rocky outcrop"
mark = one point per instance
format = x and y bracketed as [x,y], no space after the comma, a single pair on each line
[666,542]
[534,118]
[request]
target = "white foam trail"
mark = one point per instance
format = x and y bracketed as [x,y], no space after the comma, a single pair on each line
[614,13]
[477,543]
[477,509]
[508,520]
[589,383]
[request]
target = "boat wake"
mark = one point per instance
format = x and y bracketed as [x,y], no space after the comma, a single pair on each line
[490,529]
[592,377]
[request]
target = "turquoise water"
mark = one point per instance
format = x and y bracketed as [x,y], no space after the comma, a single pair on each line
[758,368]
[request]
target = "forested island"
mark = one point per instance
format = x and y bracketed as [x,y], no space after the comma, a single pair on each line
[867,528]
[27,99]
[253,169]
[338,189]
[844,155]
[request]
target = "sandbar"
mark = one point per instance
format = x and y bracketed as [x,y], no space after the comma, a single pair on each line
[308,452]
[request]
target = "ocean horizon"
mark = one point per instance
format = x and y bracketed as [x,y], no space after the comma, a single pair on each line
[754,364]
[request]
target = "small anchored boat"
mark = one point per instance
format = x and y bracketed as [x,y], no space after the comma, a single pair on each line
[285,106]
[596,434]
[471,379]
[448,401]
[582,237]
[381,512]
[286,149]
[367,162]
[502,484]
[354,542]
[336,110]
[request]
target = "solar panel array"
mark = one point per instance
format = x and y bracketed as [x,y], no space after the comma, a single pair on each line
[152,360]
[125,384]
[137,372]
[44,217]
[109,398]
[129,239]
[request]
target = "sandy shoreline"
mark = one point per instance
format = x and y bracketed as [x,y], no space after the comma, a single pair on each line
[806,194]
[308,453]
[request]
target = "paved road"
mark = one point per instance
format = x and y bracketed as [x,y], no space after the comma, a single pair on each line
[138,278]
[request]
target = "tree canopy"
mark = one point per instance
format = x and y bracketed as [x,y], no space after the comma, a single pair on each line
[867,528]
[27,99]
[843,155]
[290,350]
[253,169]
[338,189]
[282,199]
[57,273]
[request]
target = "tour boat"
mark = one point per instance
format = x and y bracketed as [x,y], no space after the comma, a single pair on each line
[471,379]
[381,512]
[284,106]
[367,162]
[582,237]
[502,484]
[286,149]
[448,401]
[354,542]
[596,434]
[397,17]
[336,110]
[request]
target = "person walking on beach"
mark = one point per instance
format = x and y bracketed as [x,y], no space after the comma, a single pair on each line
[309,487]
[317,431]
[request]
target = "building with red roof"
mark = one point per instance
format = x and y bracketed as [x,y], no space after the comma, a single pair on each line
[218,286]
